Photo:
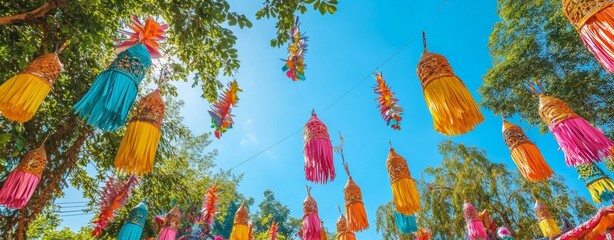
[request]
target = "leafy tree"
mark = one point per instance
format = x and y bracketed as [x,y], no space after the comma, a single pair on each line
[535,41]
[506,195]
[199,44]
[271,210]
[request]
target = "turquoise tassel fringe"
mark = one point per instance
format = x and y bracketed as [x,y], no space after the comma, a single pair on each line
[406,223]
[130,231]
[110,98]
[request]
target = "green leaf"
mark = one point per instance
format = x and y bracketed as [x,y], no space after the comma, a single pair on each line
[5,138]
[322,8]
[332,9]
[309,1]
[316,5]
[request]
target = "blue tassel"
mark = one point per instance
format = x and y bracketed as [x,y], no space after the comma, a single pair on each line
[108,101]
[130,231]
[133,227]
[405,223]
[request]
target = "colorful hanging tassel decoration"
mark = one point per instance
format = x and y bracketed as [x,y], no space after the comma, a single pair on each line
[387,103]
[404,191]
[209,206]
[311,220]
[133,227]
[342,231]
[21,182]
[525,154]
[423,234]
[599,185]
[295,64]
[352,195]
[137,150]
[475,227]
[169,224]
[454,110]
[594,20]
[504,233]
[21,95]
[221,117]
[240,228]
[273,231]
[406,224]
[323,232]
[580,141]
[107,102]
[114,196]
[546,223]
[319,166]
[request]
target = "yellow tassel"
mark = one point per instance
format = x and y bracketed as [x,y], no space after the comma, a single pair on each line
[454,110]
[549,227]
[357,217]
[239,232]
[601,189]
[21,96]
[137,150]
[405,195]
[346,236]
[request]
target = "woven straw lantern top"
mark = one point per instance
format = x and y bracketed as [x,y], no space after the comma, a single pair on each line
[553,110]
[310,206]
[314,129]
[541,211]
[351,192]
[242,216]
[151,109]
[579,11]
[46,67]
[433,66]
[513,135]
[397,167]
[590,173]
[469,212]
[138,215]
[34,162]
[342,225]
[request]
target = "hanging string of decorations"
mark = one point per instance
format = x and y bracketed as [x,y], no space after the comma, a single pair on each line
[221,110]
[114,196]
[295,63]
[387,103]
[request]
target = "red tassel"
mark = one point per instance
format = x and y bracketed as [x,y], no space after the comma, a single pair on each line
[21,183]
[319,166]
[114,196]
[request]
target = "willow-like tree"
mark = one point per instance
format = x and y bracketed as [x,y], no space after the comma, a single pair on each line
[199,44]
[535,41]
[466,174]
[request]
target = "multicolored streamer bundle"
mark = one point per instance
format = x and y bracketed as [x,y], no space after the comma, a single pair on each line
[504,234]
[404,191]
[107,102]
[580,141]
[475,227]
[273,231]
[240,228]
[423,234]
[387,103]
[137,150]
[311,220]
[319,166]
[21,95]
[295,64]
[525,154]
[114,196]
[133,227]
[169,224]
[221,117]
[594,20]
[342,232]
[546,223]
[209,206]
[354,207]
[454,110]
[406,224]
[599,185]
[21,182]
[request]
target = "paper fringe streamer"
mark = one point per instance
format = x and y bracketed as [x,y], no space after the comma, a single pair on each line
[221,117]
[387,103]
[209,209]
[295,64]
[273,231]
[149,34]
[114,196]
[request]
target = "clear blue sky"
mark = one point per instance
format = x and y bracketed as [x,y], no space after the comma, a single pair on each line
[343,49]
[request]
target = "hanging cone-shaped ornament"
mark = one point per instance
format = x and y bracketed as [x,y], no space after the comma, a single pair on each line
[525,154]
[240,229]
[504,233]
[107,102]
[323,232]
[599,185]
[354,207]
[114,196]
[319,166]
[594,20]
[404,191]
[311,220]
[454,110]
[580,141]
[475,227]
[133,227]
[423,234]
[546,223]
[169,224]
[342,231]
[406,224]
[21,95]
[137,150]
[21,182]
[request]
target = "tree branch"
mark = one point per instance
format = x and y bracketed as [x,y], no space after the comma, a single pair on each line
[38,12]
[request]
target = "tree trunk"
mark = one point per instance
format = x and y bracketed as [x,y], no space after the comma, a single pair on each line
[38,12]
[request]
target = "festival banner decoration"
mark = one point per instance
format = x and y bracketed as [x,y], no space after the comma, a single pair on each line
[240,228]
[599,185]
[221,116]
[113,197]
[525,154]
[318,149]
[354,207]
[21,182]
[311,221]
[133,227]
[404,191]
[546,223]
[406,224]
[387,103]
[169,224]
[342,231]
[475,226]
[295,64]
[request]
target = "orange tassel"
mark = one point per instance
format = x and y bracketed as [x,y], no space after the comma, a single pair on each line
[354,207]
[525,154]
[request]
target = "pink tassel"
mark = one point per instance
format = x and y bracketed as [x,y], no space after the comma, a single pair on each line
[21,183]
[581,142]
[311,222]
[475,227]
[167,233]
[319,166]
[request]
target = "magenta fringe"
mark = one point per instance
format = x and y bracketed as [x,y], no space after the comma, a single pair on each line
[319,166]
[311,227]
[167,234]
[581,142]
[597,37]
[18,188]
[475,230]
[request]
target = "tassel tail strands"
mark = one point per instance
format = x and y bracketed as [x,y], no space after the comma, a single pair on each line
[169,224]
[21,182]
[599,185]
[114,196]
[547,225]
[404,191]
[318,149]
[579,140]
[475,227]
[311,221]
[387,103]
[133,227]
[525,154]
[405,223]
[452,107]
[594,20]
[240,227]
[342,231]
[137,150]
[221,117]
[295,64]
